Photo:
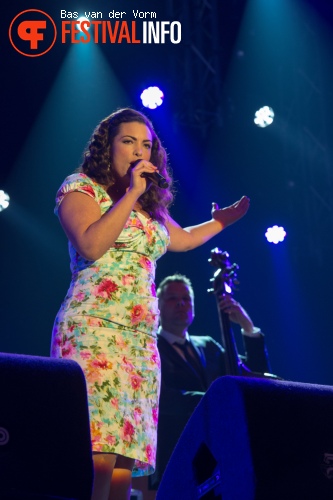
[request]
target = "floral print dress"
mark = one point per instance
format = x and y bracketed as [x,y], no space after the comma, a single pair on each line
[108,323]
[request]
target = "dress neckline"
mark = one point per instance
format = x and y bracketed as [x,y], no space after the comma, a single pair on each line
[146,217]
[140,214]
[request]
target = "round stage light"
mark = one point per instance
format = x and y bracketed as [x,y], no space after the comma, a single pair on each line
[275,234]
[152,97]
[4,200]
[264,117]
[81,20]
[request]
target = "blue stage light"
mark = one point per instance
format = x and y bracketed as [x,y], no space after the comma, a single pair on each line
[264,117]
[152,97]
[275,234]
[85,20]
[4,200]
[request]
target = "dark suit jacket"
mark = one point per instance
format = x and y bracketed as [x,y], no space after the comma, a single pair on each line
[183,387]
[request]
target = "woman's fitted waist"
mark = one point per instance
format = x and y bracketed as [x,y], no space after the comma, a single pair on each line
[92,322]
[83,299]
[106,297]
[109,289]
[128,276]
[116,262]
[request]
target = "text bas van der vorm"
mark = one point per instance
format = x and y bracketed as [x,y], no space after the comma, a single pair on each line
[74,30]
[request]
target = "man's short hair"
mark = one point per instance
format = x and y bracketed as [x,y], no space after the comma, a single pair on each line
[175,278]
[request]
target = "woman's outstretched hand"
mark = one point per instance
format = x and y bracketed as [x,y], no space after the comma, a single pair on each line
[228,215]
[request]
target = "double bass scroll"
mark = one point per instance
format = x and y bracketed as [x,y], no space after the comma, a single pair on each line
[225,281]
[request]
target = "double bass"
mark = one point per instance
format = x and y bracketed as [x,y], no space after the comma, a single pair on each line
[224,282]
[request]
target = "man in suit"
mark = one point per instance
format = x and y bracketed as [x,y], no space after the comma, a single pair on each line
[189,363]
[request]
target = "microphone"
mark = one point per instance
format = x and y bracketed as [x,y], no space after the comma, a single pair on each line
[155,177]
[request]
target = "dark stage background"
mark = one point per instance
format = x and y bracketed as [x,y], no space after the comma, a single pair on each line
[235,56]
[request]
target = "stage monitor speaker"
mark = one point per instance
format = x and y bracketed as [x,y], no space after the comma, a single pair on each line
[255,439]
[45,446]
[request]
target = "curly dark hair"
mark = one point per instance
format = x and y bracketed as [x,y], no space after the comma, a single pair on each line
[97,160]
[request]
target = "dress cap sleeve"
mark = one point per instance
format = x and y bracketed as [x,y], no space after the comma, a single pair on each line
[76,182]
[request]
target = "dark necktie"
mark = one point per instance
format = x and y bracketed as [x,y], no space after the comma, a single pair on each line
[190,356]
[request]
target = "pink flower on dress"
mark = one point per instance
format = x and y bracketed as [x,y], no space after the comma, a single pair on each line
[136,381]
[149,452]
[101,362]
[155,415]
[138,314]
[150,318]
[153,290]
[145,263]
[106,288]
[129,367]
[151,346]
[92,377]
[85,354]
[120,342]
[155,358]
[137,413]
[128,279]
[56,346]
[111,440]
[128,431]
[73,326]
[79,296]
[115,402]
[68,348]
[95,367]
[94,322]
[88,189]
